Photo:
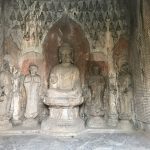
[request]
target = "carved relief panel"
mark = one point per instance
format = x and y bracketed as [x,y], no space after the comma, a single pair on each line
[35,29]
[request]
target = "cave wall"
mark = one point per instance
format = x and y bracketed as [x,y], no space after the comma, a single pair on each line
[104,25]
[1,27]
[140,60]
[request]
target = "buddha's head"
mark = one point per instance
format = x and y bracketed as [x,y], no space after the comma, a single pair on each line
[33,69]
[6,65]
[96,70]
[65,53]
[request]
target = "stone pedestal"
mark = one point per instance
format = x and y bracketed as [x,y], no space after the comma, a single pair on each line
[31,123]
[125,125]
[112,120]
[144,126]
[4,123]
[96,122]
[16,122]
[63,117]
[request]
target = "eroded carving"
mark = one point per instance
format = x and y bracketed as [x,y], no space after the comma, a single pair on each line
[125,98]
[5,96]
[97,87]
[126,93]
[16,105]
[32,84]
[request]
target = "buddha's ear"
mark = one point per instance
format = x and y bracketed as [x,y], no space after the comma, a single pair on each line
[60,61]
[72,60]
[59,56]
[72,56]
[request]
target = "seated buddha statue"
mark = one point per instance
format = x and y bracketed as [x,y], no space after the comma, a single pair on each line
[64,81]
[64,94]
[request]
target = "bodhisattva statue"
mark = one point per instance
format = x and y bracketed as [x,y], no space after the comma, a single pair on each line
[5,96]
[96,109]
[17,97]
[32,84]
[126,94]
[125,97]
[64,95]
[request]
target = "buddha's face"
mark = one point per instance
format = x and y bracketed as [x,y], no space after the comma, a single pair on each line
[6,66]
[96,70]
[66,55]
[33,70]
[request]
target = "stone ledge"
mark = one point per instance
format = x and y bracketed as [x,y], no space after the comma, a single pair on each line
[19,131]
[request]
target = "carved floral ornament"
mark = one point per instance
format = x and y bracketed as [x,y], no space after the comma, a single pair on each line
[92,15]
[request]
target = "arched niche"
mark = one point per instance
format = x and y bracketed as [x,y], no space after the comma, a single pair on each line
[66,30]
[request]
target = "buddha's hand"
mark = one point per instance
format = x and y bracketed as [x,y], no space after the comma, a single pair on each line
[9,114]
[2,98]
[46,100]
[53,79]
[42,97]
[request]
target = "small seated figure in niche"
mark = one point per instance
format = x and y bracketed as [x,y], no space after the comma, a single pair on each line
[97,87]
[5,96]
[64,95]
[126,93]
[32,83]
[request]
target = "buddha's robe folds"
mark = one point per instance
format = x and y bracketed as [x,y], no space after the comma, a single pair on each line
[65,85]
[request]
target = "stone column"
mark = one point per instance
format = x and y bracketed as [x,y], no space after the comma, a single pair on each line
[112,83]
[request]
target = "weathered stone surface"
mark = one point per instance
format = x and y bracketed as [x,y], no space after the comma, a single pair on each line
[108,33]
[97,86]
[140,61]
[17,97]
[5,96]
[32,83]
[86,141]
